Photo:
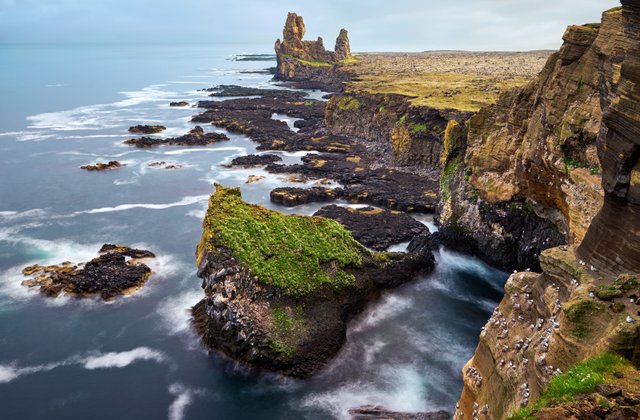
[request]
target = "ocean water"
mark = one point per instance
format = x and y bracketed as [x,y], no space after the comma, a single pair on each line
[137,357]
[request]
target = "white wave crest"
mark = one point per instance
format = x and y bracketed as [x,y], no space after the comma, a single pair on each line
[123,359]
[184,398]
[186,201]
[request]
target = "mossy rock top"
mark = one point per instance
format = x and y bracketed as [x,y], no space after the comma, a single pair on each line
[297,254]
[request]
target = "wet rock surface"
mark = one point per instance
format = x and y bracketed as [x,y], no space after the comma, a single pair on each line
[114,164]
[228,91]
[375,228]
[164,165]
[370,412]
[115,272]
[255,160]
[179,104]
[147,129]
[195,137]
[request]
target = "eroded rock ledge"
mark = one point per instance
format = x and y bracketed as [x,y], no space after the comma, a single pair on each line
[280,289]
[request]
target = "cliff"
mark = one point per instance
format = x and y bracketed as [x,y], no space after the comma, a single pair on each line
[308,63]
[279,290]
[527,175]
[564,151]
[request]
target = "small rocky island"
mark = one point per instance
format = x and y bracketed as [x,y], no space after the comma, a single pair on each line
[100,166]
[280,289]
[117,271]
[195,137]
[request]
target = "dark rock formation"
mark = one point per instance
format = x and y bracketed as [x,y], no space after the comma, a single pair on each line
[147,129]
[255,160]
[195,137]
[229,91]
[280,300]
[424,243]
[370,412]
[375,228]
[117,271]
[307,62]
[291,196]
[114,164]
[179,104]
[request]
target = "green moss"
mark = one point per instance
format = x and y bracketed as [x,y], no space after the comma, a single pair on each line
[581,379]
[608,292]
[580,313]
[309,103]
[281,347]
[298,254]
[446,177]
[402,120]
[281,320]
[348,103]
[594,25]
[418,128]
[382,257]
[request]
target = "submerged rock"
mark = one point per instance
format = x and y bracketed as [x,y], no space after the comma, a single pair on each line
[115,272]
[375,228]
[195,137]
[147,129]
[114,164]
[279,289]
[164,165]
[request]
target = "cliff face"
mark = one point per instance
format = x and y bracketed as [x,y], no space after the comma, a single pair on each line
[531,147]
[613,240]
[308,62]
[401,134]
[536,151]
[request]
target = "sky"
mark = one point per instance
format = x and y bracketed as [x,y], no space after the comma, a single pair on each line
[374,25]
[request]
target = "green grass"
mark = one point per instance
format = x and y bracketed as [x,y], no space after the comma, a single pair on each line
[580,314]
[581,379]
[297,254]
[281,319]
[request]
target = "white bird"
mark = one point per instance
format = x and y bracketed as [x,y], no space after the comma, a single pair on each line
[629,319]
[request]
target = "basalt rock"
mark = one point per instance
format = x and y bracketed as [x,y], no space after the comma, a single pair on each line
[117,271]
[375,228]
[114,164]
[147,129]
[179,104]
[281,300]
[308,62]
[195,137]
[255,160]
[228,91]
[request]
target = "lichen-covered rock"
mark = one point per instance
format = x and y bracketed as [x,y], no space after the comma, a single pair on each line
[117,271]
[280,289]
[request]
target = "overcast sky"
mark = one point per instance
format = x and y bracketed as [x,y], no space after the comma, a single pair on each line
[374,25]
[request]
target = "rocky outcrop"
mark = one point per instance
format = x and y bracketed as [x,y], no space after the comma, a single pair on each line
[369,412]
[195,137]
[375,228]
[147,129]
[117,271]
[308,63]
[401,134]
[100,166]
[536,151]
[280,289]
[255,160]
[179,104]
